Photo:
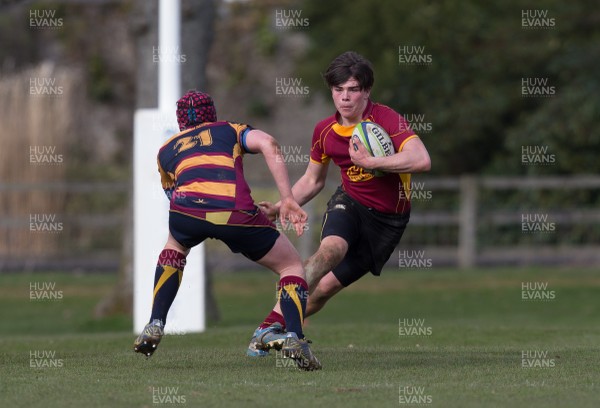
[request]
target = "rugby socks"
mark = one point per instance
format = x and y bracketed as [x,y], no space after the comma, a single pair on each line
[167,279]
[273,317]
[293,294]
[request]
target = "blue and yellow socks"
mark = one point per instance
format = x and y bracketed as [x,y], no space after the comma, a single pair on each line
[293,294]
[167,278]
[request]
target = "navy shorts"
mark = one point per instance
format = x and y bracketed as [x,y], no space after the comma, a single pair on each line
[252,235]
[372,236]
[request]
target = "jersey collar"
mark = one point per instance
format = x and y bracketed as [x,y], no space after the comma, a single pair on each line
[346,131]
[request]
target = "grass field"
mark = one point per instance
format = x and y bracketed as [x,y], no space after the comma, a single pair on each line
[439,338]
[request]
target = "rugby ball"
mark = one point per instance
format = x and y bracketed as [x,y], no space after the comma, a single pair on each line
[375,139]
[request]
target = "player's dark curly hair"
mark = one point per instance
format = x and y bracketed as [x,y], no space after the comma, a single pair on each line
[350,65]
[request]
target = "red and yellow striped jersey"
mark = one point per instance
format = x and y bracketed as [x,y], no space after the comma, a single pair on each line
[201,169]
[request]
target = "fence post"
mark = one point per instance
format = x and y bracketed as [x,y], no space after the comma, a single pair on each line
[467,229]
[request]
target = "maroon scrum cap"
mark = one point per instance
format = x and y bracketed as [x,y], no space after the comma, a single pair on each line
[195,108]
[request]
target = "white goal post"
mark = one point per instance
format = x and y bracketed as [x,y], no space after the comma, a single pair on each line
[152,127]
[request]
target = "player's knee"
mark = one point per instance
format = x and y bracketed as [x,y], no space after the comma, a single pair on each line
[172,243]
[333,253]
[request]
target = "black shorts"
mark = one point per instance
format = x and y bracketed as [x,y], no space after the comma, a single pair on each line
[371,235]
[253,235]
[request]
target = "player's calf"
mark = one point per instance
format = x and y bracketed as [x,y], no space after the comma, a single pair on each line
[330,253]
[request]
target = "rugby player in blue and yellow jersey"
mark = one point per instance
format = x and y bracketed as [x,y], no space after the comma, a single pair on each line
[203,177]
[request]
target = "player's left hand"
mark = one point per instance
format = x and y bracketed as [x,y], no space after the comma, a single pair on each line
[359,154]
[269,209]
[290,212]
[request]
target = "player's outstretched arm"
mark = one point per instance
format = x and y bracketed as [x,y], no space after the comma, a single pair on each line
[311,182]
[289,211]
[413,158]
[308,186]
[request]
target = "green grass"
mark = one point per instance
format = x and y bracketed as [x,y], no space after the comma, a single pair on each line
[478,322]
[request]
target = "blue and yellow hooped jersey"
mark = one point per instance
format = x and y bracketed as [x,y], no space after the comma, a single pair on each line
[201,169]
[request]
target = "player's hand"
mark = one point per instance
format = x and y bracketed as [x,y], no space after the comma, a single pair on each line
[269,209]
[290,212]
[359,154]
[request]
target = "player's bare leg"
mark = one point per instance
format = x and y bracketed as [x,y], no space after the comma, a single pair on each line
[283,259]
[327,287]
[330,253]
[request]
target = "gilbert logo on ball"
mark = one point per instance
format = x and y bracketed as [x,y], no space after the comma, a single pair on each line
[375,139]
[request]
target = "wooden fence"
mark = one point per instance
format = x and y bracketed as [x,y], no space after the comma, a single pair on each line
[472,217]
[462,234]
